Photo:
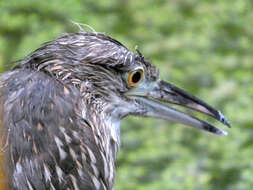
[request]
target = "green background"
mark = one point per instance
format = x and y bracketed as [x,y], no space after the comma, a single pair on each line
[203,46]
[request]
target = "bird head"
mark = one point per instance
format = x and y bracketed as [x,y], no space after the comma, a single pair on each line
[117,81]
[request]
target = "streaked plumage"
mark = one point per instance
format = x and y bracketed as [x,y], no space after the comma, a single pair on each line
[62,105]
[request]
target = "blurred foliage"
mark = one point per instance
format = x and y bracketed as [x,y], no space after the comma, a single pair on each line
[204,47]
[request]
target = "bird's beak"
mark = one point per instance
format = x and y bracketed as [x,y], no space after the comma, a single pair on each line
[150,97]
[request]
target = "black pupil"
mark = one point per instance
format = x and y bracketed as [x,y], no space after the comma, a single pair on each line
[136,77]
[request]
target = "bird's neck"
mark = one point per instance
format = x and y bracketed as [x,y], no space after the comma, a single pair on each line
[106,133]
[104,119]
[107,130]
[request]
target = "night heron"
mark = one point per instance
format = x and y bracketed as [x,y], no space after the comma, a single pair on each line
[62,105]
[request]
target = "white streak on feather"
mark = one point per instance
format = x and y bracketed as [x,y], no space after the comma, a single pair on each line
[111,171]
[106,172]
[59,144]
[67,138]
[18,168]
[126,57]
[73,179]
[47,173]
[95,182]
[72,153]
[52,186]
[80,172]
[29,184]
[83,157]
[95,170]
[59,173]
[131,59]
[66,76]
[92,156]
[80,169]
[115,131]
[75,134]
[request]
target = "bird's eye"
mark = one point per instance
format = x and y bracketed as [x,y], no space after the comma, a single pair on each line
[135,77]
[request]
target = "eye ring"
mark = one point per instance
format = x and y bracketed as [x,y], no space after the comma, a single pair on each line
[135,77]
